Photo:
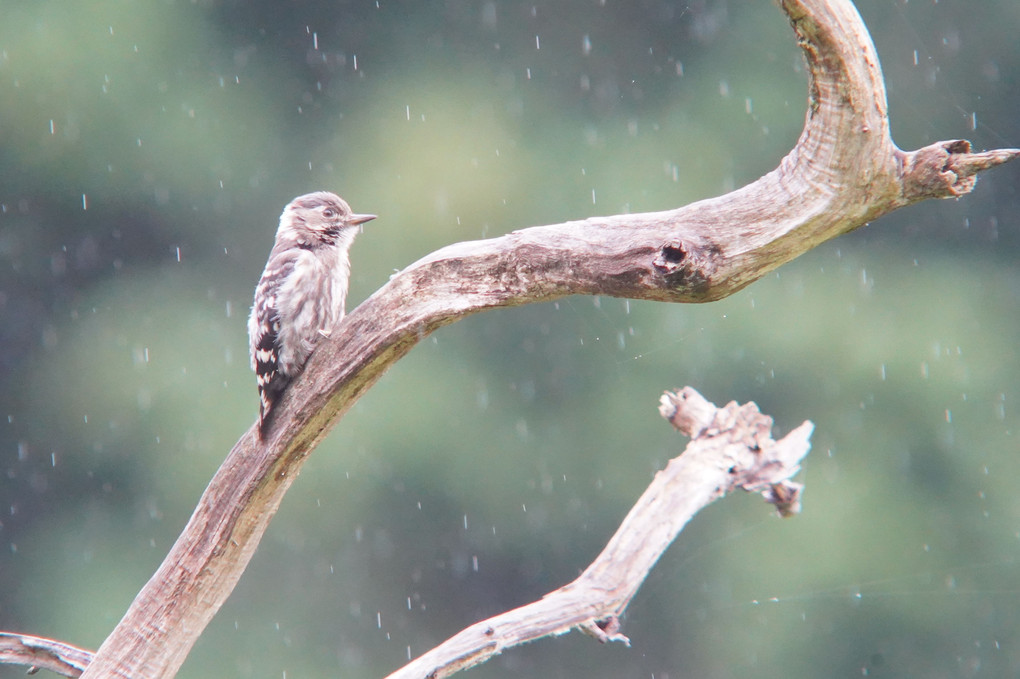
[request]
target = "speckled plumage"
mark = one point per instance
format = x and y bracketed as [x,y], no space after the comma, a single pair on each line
[302,292]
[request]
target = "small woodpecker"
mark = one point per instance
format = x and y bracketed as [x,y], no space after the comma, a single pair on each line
[302,292]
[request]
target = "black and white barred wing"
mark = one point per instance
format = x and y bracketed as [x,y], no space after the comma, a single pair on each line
[264,335]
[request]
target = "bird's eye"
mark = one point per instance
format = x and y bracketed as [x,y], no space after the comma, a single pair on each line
[329,213]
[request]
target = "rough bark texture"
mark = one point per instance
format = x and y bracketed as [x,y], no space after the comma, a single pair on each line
[844,172]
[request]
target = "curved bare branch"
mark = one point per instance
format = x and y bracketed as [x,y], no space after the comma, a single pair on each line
[844,172]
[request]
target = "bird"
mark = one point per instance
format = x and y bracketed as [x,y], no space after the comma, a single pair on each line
[302,292]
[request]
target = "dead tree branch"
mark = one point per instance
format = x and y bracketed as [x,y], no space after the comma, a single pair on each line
[730,448]
[39,653]
[844,172]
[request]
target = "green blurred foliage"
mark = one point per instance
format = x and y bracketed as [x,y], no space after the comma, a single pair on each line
[145,152]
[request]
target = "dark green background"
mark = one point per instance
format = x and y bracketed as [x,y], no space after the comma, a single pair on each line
[492,463]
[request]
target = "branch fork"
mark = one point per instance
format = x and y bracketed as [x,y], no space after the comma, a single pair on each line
[774,462]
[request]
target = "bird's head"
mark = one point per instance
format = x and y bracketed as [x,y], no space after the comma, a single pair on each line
[319,219]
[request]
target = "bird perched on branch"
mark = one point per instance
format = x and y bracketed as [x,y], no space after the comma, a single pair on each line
[302,292]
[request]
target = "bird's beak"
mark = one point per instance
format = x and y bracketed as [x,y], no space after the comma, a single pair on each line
[361,219]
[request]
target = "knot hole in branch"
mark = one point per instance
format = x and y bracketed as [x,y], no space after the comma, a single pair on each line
[684,266]
[671,257]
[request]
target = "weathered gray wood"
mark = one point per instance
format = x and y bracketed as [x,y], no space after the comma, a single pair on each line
[844,172]
[730,448]
[41,653]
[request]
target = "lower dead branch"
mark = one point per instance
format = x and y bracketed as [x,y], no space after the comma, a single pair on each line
[39,653]
[731,447]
